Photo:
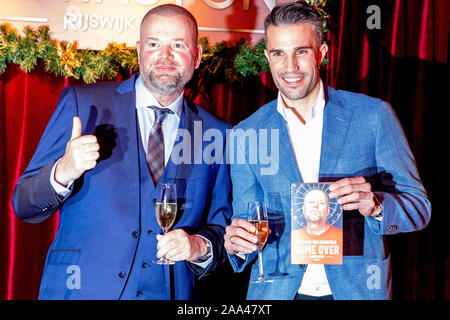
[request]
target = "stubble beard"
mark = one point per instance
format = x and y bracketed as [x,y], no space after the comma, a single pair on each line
[314,217]
[165,84]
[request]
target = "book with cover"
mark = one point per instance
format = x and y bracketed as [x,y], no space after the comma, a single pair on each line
[316,225]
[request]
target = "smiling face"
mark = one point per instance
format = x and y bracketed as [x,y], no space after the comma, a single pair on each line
[294,56]
[168,53]
[315,207]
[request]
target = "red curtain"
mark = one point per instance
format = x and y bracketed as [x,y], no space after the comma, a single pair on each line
[405,62]
[27,101]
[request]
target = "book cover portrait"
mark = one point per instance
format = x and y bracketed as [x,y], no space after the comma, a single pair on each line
[316,224]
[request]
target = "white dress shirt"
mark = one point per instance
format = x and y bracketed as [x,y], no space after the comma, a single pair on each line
[306,141]
[146,117]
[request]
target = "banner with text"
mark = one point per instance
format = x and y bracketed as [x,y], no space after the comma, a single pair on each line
[95,23]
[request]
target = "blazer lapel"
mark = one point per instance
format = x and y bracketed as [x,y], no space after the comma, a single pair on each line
[287,161]
[336,121]
[190,123]
[124,106]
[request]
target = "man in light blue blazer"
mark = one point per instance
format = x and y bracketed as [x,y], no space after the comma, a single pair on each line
[94,163]
[315,133]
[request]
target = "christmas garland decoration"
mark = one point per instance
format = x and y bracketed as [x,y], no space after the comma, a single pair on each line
[232,63]
[62,58]
[319,6]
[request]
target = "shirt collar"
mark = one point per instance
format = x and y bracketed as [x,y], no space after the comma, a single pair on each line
[317,107]
[145,98]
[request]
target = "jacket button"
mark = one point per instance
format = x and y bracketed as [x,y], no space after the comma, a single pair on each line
[149,232]
[144,265]
[139,294]
[134,234]
[122,274]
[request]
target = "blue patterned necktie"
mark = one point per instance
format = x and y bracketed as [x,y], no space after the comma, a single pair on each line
[155,153]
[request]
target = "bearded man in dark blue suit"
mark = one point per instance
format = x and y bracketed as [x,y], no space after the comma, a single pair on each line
[93,165]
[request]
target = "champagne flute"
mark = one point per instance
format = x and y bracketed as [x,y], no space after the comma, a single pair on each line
[257,215]
[166,211]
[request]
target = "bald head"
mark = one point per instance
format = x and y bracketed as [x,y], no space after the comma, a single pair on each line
[315,206]
[168,51]
[169,10]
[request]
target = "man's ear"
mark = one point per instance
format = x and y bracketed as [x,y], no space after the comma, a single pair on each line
[138,48]
[198,56]
[323,52]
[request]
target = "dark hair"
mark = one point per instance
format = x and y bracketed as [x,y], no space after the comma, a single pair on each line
[169,10]
[295,13]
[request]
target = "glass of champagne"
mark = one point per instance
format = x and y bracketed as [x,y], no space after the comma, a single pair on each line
[166,211]
[257,215]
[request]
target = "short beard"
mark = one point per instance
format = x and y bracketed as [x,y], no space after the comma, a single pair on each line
[167,87]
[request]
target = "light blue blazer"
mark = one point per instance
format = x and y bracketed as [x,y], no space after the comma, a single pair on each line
[361,137]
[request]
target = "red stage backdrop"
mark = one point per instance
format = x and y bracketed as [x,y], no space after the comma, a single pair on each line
[402,58]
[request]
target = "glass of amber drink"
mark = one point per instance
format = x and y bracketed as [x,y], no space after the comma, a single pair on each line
[257,215]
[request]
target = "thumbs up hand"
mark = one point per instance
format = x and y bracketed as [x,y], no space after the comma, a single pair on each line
[81,155]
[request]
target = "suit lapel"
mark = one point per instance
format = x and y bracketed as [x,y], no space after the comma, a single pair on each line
[124,105]
[336,121]
[287,161]
[190,123]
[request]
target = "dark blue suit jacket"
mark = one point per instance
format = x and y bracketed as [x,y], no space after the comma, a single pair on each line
[107,230]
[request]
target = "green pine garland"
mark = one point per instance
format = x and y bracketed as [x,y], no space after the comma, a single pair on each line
[62,58]
[222,62]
